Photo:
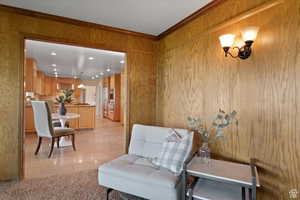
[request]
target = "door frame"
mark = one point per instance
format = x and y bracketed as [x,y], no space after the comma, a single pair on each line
[42,38]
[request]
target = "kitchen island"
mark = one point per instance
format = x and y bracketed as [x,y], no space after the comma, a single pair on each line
[85,121]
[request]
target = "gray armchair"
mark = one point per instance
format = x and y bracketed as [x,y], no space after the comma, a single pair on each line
[133,173]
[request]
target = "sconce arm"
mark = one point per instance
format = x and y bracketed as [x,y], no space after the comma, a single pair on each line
[228,52]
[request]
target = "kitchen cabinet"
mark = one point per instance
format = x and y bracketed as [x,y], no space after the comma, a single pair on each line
[40,82]
[30,73]
[48,86]
[29,120]
[87,116]
[114,103]
[85,121]
[73,122]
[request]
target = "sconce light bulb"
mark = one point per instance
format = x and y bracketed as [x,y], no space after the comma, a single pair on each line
[249,33]
[227,40]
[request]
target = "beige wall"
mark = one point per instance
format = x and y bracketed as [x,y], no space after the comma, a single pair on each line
[140,60]
[195,79]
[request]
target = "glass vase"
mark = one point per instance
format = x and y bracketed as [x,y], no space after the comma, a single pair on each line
[62,109]
[204,153]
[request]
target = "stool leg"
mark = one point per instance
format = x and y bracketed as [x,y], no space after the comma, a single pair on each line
[243,193]
[107,193]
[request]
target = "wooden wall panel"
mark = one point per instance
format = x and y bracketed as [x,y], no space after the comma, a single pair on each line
[13,27]
[195,79]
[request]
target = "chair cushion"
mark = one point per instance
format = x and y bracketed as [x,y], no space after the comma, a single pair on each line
[176,149]
[58,131]
[136,175]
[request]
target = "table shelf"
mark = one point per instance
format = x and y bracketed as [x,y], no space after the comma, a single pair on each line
[213,190]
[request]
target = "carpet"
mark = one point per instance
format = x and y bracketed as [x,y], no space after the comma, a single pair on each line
[79,186]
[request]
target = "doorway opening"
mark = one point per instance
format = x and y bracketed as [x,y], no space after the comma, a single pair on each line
[97,84]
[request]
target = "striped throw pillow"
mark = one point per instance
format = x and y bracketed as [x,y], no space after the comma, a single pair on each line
[176,149]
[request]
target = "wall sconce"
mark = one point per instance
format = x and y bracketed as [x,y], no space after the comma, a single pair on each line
[248,34]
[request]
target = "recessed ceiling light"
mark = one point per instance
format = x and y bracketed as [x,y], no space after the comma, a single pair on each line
[101,73]
[53,65]
[91,58]
[108,70]
[53,53]
[122,61]
[97,76]
[55,69]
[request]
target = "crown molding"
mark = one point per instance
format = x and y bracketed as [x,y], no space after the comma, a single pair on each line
[41,15]
[170,30]
[190,18]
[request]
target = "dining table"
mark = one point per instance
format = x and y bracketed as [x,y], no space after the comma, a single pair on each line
[63,119]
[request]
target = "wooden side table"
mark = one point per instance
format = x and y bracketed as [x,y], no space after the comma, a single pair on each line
[222,180]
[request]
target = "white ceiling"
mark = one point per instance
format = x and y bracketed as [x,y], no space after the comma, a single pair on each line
[145,16]
[73,61]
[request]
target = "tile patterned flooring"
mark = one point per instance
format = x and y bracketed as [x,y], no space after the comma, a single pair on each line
[94,147]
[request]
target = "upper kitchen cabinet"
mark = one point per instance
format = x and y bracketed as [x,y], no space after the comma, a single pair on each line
[48,85]
[40,82]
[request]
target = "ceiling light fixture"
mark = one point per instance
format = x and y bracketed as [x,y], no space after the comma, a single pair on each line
[93,77]
[97,76]
[53,53]
[108,70]
[101,73]
[91,58]
[122,61]
[55,69]
[75,77]
[53,65]
[248,34]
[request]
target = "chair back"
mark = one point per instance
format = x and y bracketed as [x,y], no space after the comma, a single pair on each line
[42,118]
[50,105]
[147,141]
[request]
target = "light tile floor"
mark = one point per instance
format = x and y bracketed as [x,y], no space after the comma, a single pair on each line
[94,147]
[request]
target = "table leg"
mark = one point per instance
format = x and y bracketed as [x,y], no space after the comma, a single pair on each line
[63,142]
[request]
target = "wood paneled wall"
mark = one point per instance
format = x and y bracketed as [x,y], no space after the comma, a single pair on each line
[13,27]
[195,79]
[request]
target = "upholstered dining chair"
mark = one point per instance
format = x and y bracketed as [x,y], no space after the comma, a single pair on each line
[44,127]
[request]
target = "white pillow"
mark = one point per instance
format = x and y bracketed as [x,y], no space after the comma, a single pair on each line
[176,149]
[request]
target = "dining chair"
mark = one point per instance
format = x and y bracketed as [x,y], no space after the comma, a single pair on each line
[44,127]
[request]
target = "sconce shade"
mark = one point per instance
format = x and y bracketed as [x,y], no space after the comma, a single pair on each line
[227,40]
[249,33]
